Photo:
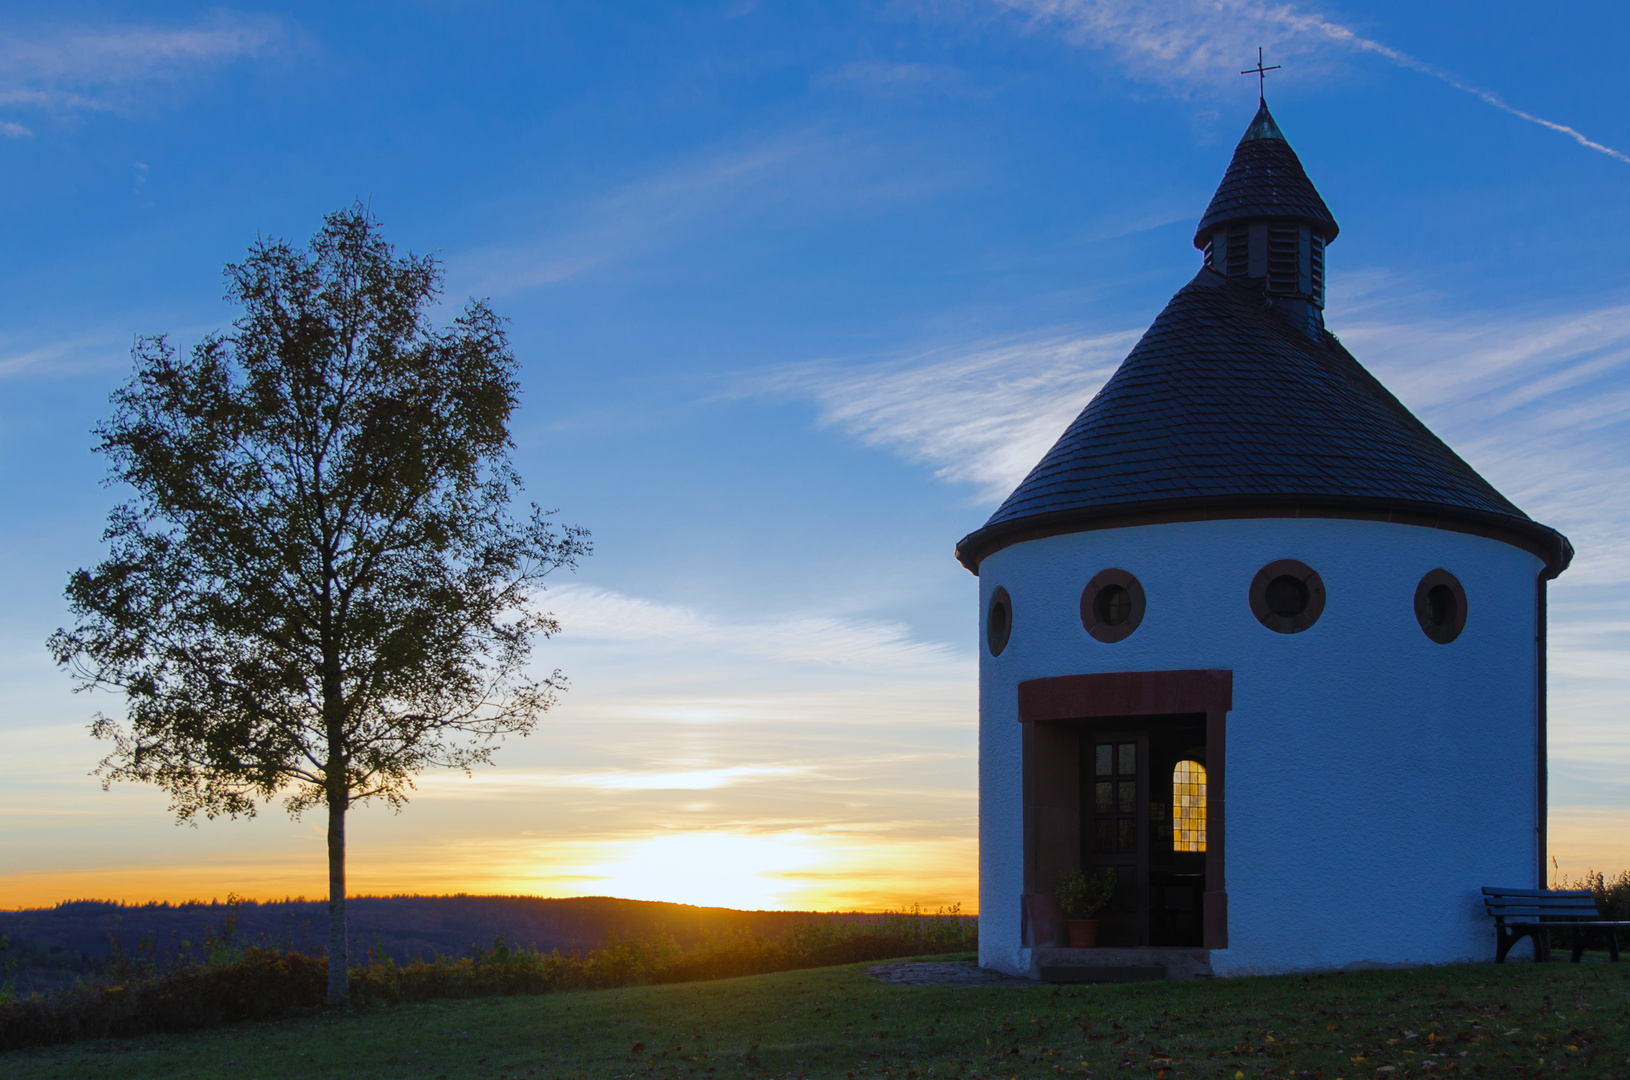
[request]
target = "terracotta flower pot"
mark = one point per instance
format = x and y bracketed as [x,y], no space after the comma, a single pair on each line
[1083,933]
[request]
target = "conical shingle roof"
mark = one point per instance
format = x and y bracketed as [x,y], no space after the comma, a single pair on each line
[1265,180]
[1224,409]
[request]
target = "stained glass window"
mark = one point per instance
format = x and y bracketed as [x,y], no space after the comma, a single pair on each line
[1189,806]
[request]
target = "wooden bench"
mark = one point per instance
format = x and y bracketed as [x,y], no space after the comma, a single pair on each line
[1534,913]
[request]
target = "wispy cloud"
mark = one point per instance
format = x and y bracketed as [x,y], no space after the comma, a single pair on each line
[64,68]
[890,78]
[981,414]
[1208,41]
[485,783]
[599,614]
[811,169]
[63,356]
[1539,403]
[643,214]
[648,212]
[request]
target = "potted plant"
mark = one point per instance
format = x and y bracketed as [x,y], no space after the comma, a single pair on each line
[1081,895]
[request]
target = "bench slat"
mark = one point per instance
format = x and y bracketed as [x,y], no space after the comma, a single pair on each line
[1586,924]
[1588,913]
[1526,909]
[1543,904]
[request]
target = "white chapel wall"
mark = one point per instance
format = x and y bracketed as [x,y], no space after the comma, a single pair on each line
[1375,778]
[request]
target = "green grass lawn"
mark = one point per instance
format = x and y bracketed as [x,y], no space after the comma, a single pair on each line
[1478,1020]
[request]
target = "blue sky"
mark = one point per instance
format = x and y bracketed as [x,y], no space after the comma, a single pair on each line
[800,290]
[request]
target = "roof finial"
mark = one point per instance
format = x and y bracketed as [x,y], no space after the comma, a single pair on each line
[1261,75]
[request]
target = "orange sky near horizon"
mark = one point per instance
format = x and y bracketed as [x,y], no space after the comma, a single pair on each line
[765,888]
[839,793]
[768,873]
[717,868]
[735,870]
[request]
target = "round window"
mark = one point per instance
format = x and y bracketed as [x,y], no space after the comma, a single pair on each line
[1287,596]
[998,621]
[1112,605]
[1440,606]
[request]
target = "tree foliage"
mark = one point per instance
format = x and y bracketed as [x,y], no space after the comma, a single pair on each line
[317,587]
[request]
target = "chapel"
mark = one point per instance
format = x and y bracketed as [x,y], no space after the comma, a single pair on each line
[1253,636]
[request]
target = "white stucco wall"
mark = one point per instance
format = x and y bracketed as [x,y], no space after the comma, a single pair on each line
[1375,779]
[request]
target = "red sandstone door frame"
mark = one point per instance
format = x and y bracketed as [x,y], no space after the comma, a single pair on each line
[1052,783]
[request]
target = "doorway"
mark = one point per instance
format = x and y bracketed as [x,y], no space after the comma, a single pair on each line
[1125,770]
[1143,815]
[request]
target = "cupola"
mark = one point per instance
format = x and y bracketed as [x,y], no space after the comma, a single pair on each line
[1237,400]
[1267,225]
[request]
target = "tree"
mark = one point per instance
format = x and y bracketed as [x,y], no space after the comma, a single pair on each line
[317,589]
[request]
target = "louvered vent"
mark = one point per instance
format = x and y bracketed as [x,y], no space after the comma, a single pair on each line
[1318,269]
[1282,259]
[1238,253]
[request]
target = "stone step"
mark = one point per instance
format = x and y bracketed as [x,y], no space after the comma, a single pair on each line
[1078,973]
[1101,965]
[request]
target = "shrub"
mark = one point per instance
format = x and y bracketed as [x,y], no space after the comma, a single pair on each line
[1081,894]
[258,985]
[1612,894]
[239,984]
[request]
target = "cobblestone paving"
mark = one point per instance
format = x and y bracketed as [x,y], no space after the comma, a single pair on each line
[942,973]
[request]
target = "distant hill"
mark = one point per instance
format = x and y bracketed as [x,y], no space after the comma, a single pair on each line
[52,947]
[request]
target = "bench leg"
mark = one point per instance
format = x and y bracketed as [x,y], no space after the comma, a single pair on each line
[1503,940]
[1613,945]
[1506,938]
[1578,945]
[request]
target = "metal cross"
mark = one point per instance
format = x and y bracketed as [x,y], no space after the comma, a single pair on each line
[1261,74]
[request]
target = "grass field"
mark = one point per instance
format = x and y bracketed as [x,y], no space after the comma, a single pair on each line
[1517,1020]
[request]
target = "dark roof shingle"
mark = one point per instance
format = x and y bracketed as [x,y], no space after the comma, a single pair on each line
[1224,403]
[1265,179]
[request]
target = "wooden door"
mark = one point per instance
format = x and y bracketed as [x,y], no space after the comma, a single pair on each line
[1116,764]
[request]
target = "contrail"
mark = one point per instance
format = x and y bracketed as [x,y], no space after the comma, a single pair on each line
[1340,33]
[1190,40]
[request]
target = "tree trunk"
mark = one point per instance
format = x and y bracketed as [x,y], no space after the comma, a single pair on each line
[339,969]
